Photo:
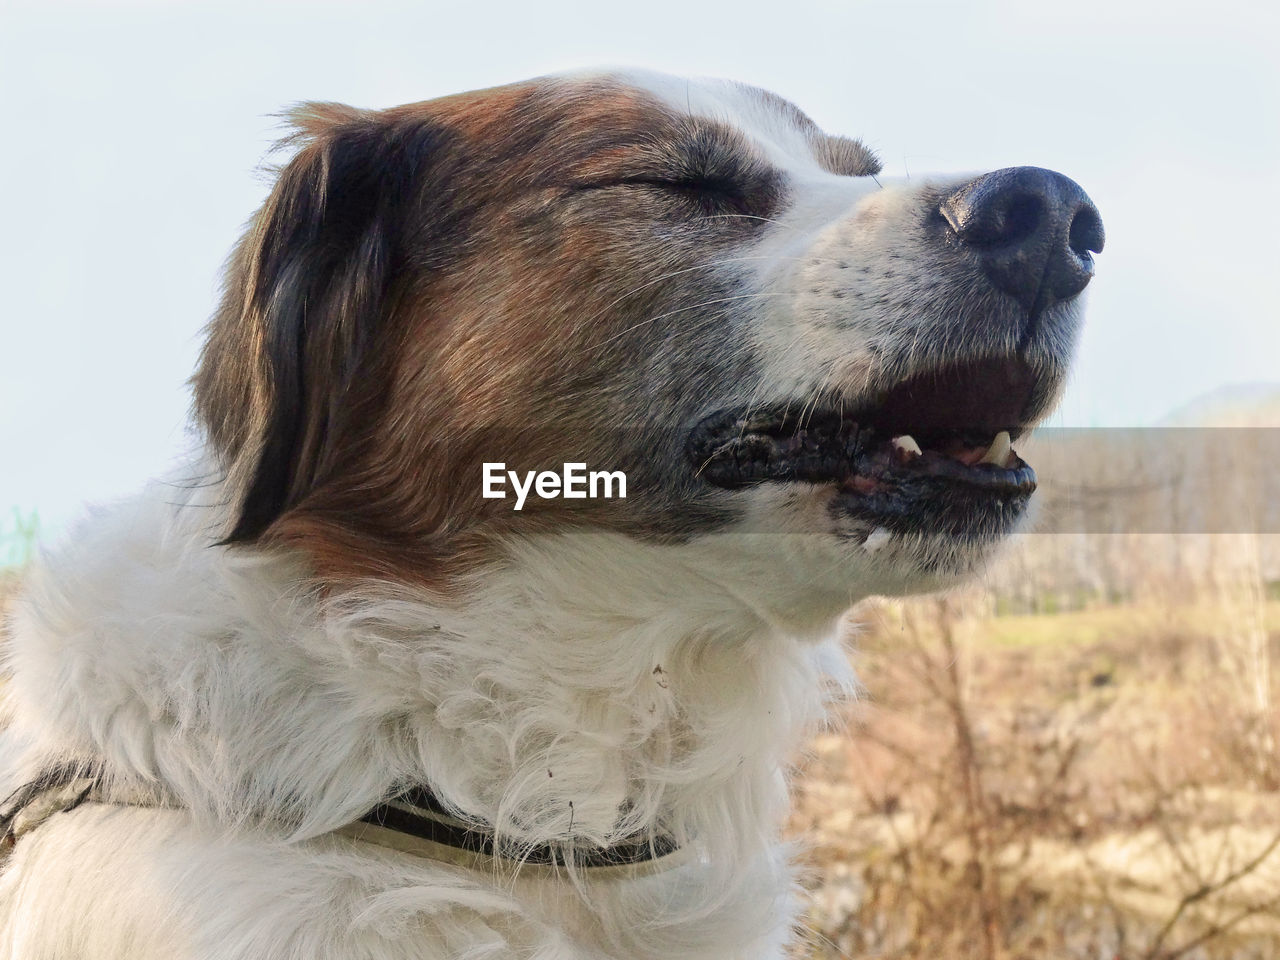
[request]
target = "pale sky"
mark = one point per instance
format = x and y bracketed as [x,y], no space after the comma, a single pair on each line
[132,132]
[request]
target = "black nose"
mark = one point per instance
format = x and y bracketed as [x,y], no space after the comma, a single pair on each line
[1033,230]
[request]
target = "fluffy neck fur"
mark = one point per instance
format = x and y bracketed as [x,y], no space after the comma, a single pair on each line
[585,689]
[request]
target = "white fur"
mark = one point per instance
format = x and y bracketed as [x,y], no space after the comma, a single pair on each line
[592,670]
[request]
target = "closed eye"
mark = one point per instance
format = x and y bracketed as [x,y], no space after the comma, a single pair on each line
[711,194]
[703,169]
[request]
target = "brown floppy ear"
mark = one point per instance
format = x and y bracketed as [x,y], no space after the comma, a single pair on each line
[309,294]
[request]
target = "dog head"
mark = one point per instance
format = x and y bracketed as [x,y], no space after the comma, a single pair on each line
[808,374]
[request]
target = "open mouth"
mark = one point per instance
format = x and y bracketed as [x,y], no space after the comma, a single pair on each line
[935,450]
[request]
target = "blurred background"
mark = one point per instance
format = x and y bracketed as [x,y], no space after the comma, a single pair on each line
[1075,757]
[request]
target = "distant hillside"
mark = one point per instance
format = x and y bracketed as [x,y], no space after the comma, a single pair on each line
[1237,405]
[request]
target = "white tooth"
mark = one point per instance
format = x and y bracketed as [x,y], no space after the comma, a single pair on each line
[998,452]
[876,539]
[907,444]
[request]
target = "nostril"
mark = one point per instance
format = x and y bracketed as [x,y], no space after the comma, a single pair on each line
[1020,218]
[1009,222]
[1086,233]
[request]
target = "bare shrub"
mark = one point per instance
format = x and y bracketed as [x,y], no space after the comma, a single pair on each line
[1098,783]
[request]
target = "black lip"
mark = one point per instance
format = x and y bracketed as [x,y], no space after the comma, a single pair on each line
[928,505]
[1019,478]
[936,495]
[965,404]
[731,451]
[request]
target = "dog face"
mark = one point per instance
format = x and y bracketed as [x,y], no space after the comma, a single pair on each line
[687,282]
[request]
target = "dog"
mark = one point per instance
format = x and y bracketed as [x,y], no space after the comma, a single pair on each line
[324,692]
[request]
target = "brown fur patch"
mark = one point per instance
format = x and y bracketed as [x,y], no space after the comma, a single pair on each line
[494,276]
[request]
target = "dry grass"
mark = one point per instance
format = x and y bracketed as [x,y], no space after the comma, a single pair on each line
[1101,783]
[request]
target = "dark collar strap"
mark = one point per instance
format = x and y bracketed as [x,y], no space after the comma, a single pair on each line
[415,813]
[418,813]
[57,790]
